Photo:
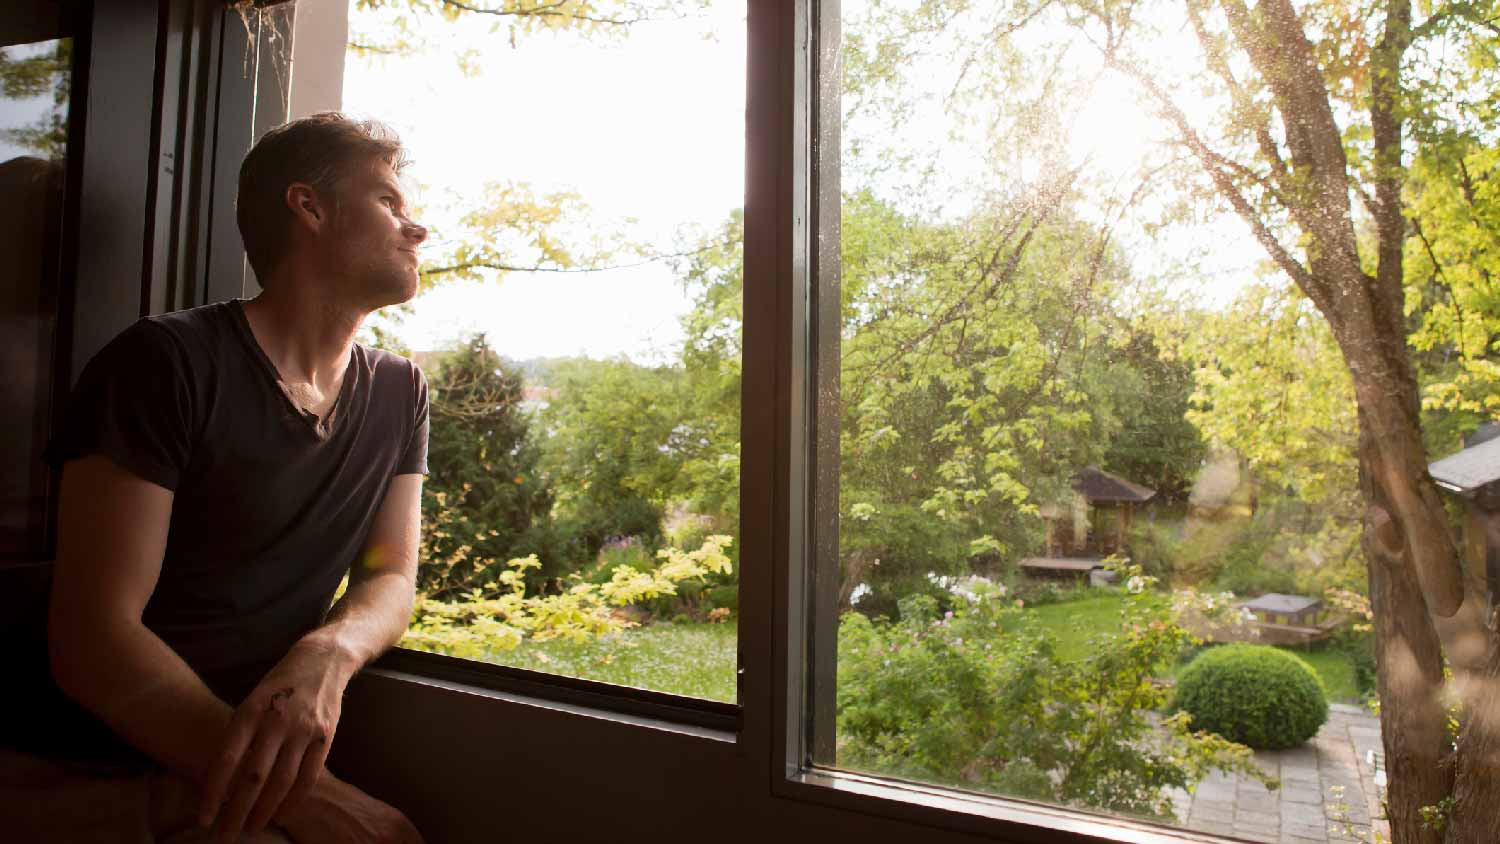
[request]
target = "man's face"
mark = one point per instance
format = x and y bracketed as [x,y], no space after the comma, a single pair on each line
[373,244]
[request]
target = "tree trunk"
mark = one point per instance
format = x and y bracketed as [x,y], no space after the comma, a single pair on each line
[1408,652]
[1436,793]
[1476,795]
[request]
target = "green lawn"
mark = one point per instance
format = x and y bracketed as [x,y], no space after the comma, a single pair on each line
[696,660]
[1075,622]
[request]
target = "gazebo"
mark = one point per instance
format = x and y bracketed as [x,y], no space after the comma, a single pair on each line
[1473,475]
[1094,523]
[1099,519]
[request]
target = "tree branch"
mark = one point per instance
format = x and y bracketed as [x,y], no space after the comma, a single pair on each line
[545,10]
[1242,102]
[1214,164]
[540,268]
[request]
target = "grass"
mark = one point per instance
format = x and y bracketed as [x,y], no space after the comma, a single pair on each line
[1076,622]
[696,660]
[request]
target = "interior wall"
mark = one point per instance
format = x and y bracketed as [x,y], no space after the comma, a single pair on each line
[468,767]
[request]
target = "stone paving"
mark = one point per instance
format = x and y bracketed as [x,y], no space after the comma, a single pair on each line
[1307,809]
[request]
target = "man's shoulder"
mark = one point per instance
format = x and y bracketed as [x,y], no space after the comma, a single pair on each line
[204,321]
[183,334]
[383,363]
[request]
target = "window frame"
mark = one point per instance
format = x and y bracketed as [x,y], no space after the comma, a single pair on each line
[76,24]
[204,112]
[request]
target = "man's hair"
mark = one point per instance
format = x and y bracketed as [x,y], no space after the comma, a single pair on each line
[319,151]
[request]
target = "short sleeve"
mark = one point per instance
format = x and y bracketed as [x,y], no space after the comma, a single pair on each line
[132,404]
[414,461]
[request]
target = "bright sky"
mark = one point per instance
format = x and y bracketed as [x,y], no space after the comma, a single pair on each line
[650,126]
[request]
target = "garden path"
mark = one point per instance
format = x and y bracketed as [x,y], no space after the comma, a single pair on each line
[1307,808]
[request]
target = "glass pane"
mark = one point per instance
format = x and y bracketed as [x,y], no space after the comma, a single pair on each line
[579,323]
[1098,466]
[34,88]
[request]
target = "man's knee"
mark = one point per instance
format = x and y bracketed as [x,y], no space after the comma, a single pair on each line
[269,835]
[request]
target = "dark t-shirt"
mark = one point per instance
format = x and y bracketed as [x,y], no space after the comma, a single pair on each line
[271,507]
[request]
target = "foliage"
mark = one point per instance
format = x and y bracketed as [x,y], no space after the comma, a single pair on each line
[1255,694]
[1271,385]
[694,660]
[409,22]
[984,361]
[610,449]
[46,74]
[1451,262]
[501,615]
[486,498]
[978,696]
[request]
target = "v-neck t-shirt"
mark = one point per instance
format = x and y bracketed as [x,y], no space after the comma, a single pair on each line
[271,506]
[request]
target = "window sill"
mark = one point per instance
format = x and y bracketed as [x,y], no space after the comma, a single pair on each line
[1017,821]
[707,719]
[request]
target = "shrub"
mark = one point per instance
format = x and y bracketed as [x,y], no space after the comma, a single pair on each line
[1253,694]
[501,615]
[978,696]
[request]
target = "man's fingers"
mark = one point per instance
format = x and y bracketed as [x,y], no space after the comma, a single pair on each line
[249,780]
[313,758]
[277,785]
[216,783]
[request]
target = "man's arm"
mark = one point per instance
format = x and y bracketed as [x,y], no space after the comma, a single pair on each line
[308,684]
[113,532]
[112,536]
[376,608]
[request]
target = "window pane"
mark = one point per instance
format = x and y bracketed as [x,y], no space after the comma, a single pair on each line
[34,88]
[579,324]
[1099,499]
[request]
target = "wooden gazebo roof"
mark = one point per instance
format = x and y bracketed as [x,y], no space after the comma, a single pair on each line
[1095,484]
[1474,468]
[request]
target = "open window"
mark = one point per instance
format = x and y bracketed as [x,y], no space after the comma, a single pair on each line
[992,376]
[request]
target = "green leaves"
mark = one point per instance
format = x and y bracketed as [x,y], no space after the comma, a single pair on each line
[979,697]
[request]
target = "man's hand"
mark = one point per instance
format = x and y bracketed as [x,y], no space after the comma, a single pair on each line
[277,742]
[338,813]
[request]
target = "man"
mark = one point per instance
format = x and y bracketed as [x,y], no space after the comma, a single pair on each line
[224,468]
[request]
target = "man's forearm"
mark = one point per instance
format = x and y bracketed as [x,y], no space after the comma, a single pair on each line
[371,616]
[144,691]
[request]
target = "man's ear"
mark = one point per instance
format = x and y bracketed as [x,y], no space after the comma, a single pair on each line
[307,207]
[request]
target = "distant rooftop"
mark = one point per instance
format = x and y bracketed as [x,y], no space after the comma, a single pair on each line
[1095,484]
[1474,467]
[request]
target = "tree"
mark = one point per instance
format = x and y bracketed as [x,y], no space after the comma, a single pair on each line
[1298,88]
[485,490]
[986,359]
[1306,110]
[40,75]
[511,19]
[610,449]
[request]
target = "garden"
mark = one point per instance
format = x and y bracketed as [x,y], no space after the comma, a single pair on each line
[1120,294]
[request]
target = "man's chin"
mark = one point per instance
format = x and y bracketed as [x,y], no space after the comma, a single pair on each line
[398,292]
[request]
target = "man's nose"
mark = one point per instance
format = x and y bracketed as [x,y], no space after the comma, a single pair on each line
[415,232]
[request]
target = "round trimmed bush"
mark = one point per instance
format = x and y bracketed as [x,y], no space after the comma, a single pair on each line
[1253,694]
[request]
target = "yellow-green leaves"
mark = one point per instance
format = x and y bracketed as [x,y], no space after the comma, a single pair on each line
[500,616]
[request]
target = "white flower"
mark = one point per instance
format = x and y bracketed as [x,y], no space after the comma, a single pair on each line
[1136,584]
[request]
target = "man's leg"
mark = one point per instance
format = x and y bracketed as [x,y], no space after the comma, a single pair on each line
[174,807]
[46,800]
